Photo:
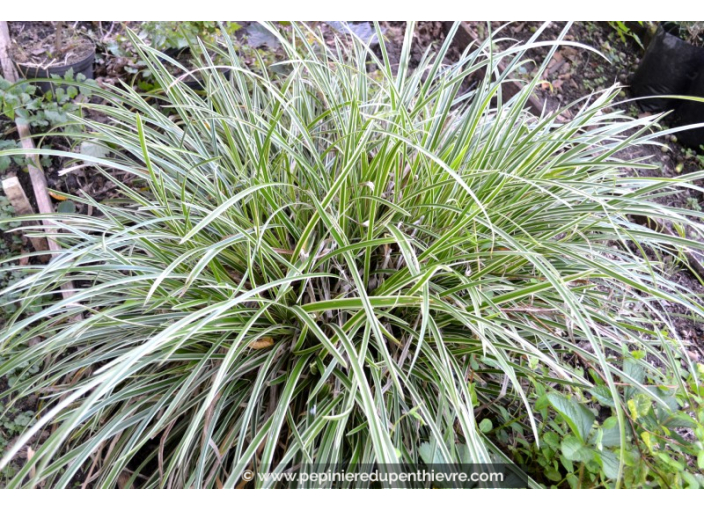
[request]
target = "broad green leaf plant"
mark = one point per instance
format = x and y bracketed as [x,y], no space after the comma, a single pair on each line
[351,261]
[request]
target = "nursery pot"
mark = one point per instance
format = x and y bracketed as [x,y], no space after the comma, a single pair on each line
[692,112]
[192,81]
[84,67]
[669,67]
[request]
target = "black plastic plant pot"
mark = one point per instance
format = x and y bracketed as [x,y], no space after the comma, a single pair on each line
[692,112]
[84,67]
[669,67]
[192,81]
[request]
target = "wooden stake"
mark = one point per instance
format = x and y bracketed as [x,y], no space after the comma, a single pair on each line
[59,41]
[18,199]
[41,193]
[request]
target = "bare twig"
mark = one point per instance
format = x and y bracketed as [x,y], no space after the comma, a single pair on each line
[59,41]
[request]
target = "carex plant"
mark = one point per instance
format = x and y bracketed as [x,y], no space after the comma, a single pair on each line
[340,263]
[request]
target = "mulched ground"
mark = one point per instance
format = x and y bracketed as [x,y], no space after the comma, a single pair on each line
[34,44]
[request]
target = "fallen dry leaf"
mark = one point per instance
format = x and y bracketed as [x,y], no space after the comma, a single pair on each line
[56,196]
[262,343]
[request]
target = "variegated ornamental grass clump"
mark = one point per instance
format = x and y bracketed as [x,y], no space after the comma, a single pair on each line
[337,265]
